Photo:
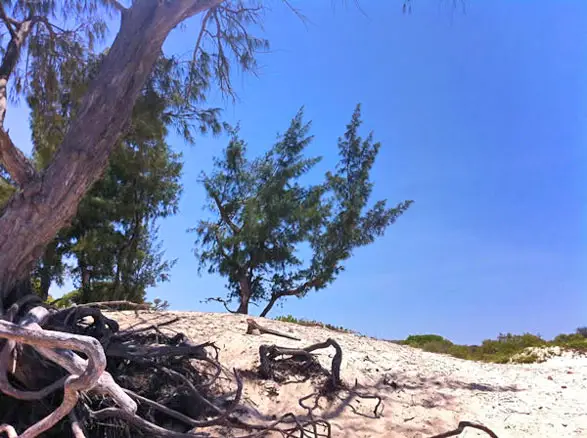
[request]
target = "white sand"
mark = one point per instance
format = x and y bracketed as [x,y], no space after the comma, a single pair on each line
[435,391]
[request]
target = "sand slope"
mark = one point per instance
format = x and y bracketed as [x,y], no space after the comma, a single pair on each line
[434,392]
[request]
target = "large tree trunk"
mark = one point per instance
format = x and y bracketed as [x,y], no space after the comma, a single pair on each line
[244,296]
[48,202]
[243,307]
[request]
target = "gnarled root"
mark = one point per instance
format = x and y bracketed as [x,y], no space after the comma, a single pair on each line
[158,385]
[268,355]
[72,385]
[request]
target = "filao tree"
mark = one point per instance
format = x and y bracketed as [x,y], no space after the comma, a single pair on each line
[264,215]
[39,46]
[111,244]
[40,368]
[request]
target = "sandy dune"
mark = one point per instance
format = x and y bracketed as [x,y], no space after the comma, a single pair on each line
[433,392]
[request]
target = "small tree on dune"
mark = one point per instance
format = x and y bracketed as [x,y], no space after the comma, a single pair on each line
[263,216]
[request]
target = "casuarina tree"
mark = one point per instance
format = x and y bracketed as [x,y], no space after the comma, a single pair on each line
[109,245]
[264,216]
[40,47]
[62,371]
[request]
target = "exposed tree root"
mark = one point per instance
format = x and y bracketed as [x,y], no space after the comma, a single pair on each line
[164,393]
[301,361]
[461,427]
[73,373]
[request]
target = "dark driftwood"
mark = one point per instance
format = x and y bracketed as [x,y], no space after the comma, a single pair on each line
[268,354]
[462,426]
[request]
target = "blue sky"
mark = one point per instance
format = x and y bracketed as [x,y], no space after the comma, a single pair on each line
[482,119]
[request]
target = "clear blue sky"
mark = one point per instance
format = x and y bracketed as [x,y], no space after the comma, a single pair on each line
[483,122]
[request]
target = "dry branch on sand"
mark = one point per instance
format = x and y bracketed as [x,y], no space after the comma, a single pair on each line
[142,382]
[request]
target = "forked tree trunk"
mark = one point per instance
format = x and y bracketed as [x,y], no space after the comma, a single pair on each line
[32,218]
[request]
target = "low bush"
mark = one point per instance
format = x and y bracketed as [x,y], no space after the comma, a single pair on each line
[506,348]
[419,340]
[292,319]
[582,331]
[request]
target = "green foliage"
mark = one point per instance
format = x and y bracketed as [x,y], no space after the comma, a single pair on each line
[504,349]
[65,35]
[419,340]
[506,346]
[67,300]
[526,359]
[431,343]
[62,33]
[307,322]
[113,238]
[582,331]
[264,215]
[6,191]
[575,341]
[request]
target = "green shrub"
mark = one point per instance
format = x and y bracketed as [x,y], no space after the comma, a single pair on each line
[288,318]
[526,358]
[506,348]
[420,340]
[67,300]
[292,319]
[573,341]
[576,344]
[500,350]
[443,347]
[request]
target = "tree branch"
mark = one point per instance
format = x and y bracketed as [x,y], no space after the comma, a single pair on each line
[74,364]
[287,293]
[8,430]
[118,6]
[19,167]
[10,59]
[197,48]
[235,229]
[76,429]
[8,22]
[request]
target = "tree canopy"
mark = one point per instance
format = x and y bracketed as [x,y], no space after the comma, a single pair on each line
[51,60]
[45,43]
[264,216]
[112,239]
